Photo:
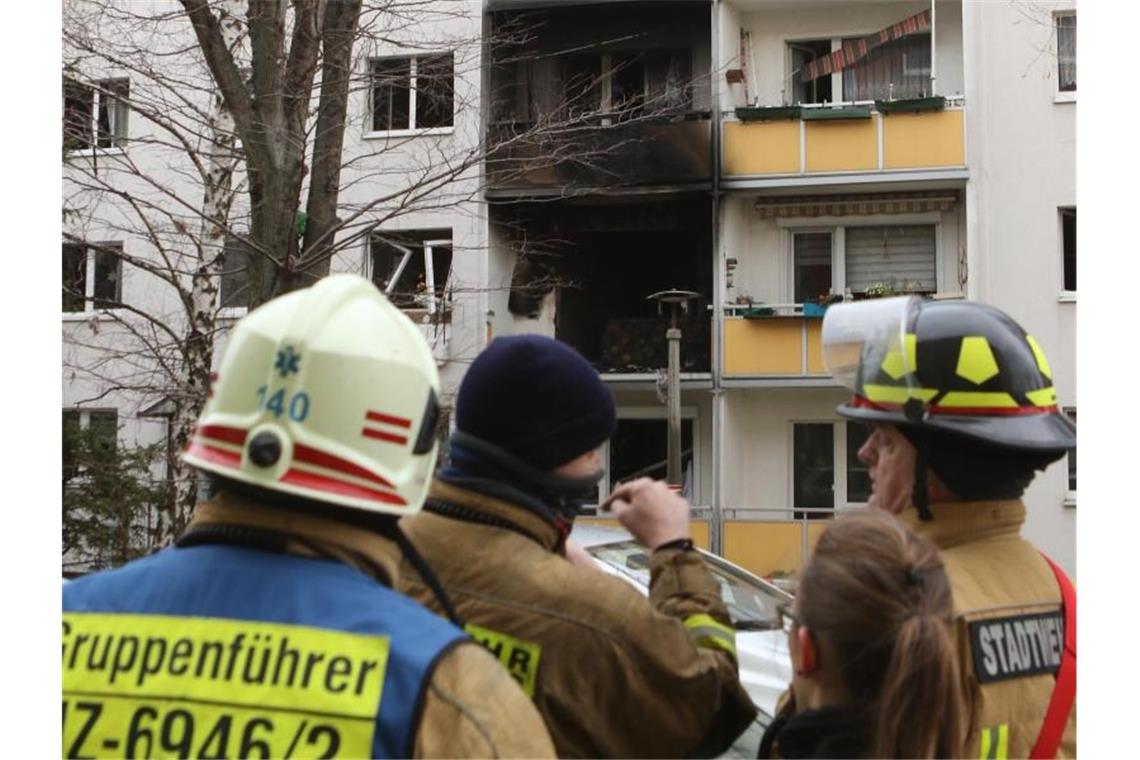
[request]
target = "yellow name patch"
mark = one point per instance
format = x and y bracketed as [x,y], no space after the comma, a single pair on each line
[519,657]
[162,686]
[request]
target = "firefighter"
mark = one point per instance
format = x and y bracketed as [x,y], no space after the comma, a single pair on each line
[963,414]
[271,629]
[613,674]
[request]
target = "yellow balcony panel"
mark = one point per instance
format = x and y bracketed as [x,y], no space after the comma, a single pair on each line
[924,140]
[815,348]
[763,148]
[699,528]
[842,146]
[770,549]
[773,346]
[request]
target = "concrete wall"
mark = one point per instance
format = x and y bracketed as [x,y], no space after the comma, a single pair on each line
[1021,145]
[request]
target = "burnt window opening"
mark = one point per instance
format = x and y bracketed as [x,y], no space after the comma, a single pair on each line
[628,85]
[639,448]
[604,262]
[413,268]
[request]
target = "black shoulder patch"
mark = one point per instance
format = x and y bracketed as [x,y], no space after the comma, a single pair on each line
[1014,647]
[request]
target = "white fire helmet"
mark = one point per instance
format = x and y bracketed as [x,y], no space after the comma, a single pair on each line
[329,393]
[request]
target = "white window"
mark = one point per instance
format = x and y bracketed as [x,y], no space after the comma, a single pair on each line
[1071,461]
[1066,24]
[92,276]
[413,268]
[867,261]
[818,486]
[412,93]
[95,115]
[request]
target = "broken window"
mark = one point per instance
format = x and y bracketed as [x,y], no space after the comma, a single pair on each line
[413,267]
[628,84]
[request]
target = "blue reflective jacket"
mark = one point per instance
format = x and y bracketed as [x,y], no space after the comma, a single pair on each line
[245,584]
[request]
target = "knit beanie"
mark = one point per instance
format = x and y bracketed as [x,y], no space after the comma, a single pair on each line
[536,398]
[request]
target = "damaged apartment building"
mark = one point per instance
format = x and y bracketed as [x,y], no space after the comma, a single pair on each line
[770,157]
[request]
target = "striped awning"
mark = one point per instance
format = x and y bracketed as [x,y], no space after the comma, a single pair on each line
[855,50]
[863,204]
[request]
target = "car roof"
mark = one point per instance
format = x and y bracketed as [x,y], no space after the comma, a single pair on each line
[595,535]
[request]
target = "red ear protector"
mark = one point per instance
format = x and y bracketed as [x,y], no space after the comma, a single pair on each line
[809,651]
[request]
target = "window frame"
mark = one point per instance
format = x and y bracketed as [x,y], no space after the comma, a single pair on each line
[1059,95]
[83,422]
[1066,294]
[101,96]
[839,462]
[838,228]
[434,303]
[838,94]
[413,67]
[91,252]
[1070,456]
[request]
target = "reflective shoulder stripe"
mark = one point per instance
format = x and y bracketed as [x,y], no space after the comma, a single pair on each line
[995,742]
[709,633]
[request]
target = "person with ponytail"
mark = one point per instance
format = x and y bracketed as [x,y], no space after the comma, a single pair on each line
[872,649]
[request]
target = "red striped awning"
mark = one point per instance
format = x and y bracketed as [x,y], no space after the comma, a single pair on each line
[855,50]
[863,204]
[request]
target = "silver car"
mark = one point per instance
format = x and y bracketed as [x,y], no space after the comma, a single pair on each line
[761,644]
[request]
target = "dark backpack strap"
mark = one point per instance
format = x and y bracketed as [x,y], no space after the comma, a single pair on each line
[1065,690]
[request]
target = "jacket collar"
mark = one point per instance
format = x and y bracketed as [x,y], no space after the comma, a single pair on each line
[526,521]
[956,522]
[311,535]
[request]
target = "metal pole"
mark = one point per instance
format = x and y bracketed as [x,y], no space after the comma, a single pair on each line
[933,50]
[673,335]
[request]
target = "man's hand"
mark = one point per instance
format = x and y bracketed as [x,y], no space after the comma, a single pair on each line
[649,510]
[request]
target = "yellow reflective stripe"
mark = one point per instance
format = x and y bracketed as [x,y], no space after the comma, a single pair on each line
[897,394]
[1042,362]
[895,365]
[708,632]
[978,398]
[519,657]
[1043,397]
[976,360]
[995,742]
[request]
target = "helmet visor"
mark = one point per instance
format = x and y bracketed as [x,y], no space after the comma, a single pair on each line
[859,338]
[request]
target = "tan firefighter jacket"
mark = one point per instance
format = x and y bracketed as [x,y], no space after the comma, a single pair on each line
[613,674]
[1009,624]
[471,707]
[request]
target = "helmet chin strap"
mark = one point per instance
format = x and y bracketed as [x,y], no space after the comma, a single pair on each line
[921,457]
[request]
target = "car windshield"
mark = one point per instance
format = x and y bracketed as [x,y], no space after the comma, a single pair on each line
[751,603]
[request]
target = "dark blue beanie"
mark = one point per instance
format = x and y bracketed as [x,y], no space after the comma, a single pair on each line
[537,398]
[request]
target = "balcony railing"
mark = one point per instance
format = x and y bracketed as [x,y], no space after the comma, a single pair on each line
[854,138]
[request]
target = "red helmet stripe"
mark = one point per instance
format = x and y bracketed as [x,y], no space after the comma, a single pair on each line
[381,435]
[388,419]
[313,481]
[224,433]
[861,402]
[318,458]
[214,454]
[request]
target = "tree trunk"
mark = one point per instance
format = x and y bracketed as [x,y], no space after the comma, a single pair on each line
[198,350]
[338,35]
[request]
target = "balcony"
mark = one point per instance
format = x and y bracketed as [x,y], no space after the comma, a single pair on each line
[772,342]
[865,141]
[524,157]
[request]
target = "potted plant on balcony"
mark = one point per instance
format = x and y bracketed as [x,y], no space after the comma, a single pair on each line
[891,287]
[767,113]
[933,103]
[818,307]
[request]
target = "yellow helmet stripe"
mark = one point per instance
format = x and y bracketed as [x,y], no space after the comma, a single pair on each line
[1042,362]
[978,399]
[1043,397]
[897,394]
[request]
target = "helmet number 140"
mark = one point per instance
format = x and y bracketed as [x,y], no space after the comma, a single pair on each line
[297,404]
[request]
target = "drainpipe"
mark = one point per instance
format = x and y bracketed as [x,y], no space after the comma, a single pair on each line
[716,524]
[933,49]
